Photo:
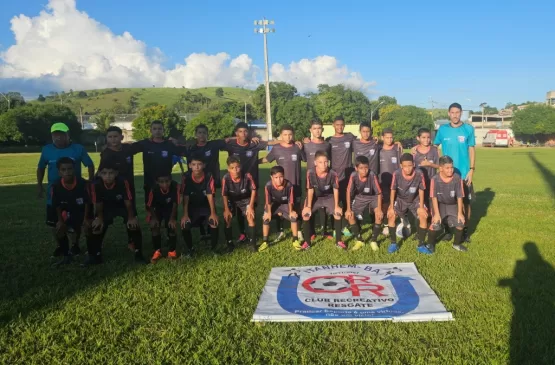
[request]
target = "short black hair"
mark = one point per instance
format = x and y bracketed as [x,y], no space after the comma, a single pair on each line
[423,130]
[287,127]
[455,105]
[387,131]
[195,158]
[316,122]
[157,121]
[339,117]
[233,159]
[114,129]
[361,160]
[201,126]
[241,125]
[364,124]
[276,170]
[109,165]
[163,174]
[64,160]
[443,160]
[320,154]
[407,157]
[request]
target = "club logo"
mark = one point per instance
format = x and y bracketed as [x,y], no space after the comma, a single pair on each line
[293,157]
[452,193]
[243,190]
[283,198]
[164,153]
[462,139]
[347,144]
[168,200]
[208,153]
[119,197]
[327,187]
[372,152]
[393,159]
[412,189]
[248,153]
[79,201]
[366,190]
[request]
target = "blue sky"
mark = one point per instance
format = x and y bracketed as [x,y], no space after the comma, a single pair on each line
[484,51]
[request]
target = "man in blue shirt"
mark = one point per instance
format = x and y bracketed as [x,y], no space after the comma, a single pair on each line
[457,141]
[61,146]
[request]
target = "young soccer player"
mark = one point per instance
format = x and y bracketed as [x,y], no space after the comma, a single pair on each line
[71,198]
[198,204]
[366,146]
[446,195]
[163,200]
[390,155]
[61,146]
[280,202]
[364,193]
[239,195]
[407,194]
[323,193]
[426,156]
[112,198]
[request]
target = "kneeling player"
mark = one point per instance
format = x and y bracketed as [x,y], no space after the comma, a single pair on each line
[364,193]
[239,195]
[322,193]
[407,194]
[447,193]
[280,203]
[112,198]
[198,204]
[71,199]
[161,206]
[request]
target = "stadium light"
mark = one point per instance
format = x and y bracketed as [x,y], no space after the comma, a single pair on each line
[265,30]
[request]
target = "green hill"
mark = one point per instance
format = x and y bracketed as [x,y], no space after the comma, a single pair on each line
[93,101]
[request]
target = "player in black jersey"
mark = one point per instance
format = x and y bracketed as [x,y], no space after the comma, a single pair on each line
[280,202]
[364,193]
[199,206]
[112,198]
[239,196]
[71,198]
[390,156]
[163,200]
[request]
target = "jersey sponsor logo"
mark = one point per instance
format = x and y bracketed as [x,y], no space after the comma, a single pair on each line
[293,157]
[347,144]
[164,153]
[248,153]
[79,201]
[366,190]
[208,153]
[462,139]
[372,152]
[393,159]
[412,189]
[452,193]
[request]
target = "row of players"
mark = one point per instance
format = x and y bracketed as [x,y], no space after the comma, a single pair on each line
[320,194]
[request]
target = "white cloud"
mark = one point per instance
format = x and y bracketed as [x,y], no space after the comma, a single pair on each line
[63,48]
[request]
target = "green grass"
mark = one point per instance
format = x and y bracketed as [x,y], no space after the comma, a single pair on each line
[162,96]
[199,311]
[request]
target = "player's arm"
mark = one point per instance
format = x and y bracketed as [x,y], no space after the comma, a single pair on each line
[337,210]
[61,224]
[210,191]
[307,210]
[350,195]
[470,175]
[150,211]
[250,208]
[267,206]
[291,202]
[185,218]
[132,221]
[98,222]
[172,224]
[41,171]
[391,210]
[227,213]
[269,157]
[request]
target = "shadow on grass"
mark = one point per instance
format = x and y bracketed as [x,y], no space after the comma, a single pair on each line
[548,176]
[533,297]
[480,207]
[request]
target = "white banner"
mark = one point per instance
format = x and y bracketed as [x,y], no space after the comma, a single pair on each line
[363,292]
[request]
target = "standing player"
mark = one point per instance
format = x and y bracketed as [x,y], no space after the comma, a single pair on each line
[447,193]
[163,200]
[61,146]
[239,196]
[458,141]
[71,198]
[407,194]
[280,202]
[322,193]
[364,193]
[390,156]
[198,204]
[366,146]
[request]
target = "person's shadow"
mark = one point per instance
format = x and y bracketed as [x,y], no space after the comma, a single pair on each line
[548,176]
[533,296]
[480,207]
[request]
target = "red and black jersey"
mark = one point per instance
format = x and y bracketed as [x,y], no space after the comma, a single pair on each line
[248,154]
[368,186]
[113,197]
[279,194]
[239,189]
[157,158]
[71,198]
[198,188]
[408,188]
[324,184]
[164,200]
[210,154]
[447,191]
[122,158]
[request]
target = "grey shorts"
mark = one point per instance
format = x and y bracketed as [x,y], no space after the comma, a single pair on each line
[401,207]
[449,216]
[361,203]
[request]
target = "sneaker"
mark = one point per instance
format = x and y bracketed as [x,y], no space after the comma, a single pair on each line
[460,248]
[358,245]
[263,246]
[242,238]
[139,259]
[431,247]
[305,246]
[155,257]
[65,261]
[279,237]
[424,250]
[172,255]
[300,236]
[385,231]
[297,246]
[346,233]
[75,250]
[466,237]
[341,245]
[393,247]
[313,237]
[57,252]
[374,246]
[131,246]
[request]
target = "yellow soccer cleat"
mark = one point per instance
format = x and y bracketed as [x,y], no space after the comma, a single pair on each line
[263,246]
[374,246]
[358,245]
[297,246]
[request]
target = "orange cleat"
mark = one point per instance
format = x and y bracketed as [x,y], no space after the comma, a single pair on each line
[172,255]
[156,256]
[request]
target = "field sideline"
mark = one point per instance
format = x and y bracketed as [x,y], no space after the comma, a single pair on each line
[501,293]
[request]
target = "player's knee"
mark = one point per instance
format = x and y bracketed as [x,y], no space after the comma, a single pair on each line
[250,221]
[436,227]
[266,222]
[293,219]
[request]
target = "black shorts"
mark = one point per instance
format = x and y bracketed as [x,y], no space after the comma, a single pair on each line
[362,203]
[73,221]
[239,206]
[51,215]
[113,213]
[281,210]
[449,215]
[163,215]
[469,195]
[326,203]
[198,215]
[401,207]
[343,185]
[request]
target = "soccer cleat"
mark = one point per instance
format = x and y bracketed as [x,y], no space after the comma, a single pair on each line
[393,247]
[341,245]
[460,248]
[297,246]
[65,261]
[172,255]
[242,238]
[385,231]
[305,246]
[431,247]
[374,246]
[424,250]
[263,246]
[155,257]
[57,252]
[75,250]
[279,237]
[358,245]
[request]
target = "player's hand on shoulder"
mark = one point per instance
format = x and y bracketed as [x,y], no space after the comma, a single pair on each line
[299,144]
[255,140]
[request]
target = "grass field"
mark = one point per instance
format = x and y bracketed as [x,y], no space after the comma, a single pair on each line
[501,293]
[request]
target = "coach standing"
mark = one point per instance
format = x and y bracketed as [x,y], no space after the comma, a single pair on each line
[457,141]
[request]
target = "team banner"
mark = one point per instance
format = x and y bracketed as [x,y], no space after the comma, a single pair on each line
[394,292]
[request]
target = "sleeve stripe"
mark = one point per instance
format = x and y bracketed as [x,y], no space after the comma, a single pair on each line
[432,188]
[393,181]
[291,199]
[462,189]
[253,185]
[223,187]
[378,187]
[93,194]
[150,199]
[128,190]
[267,195]
[350,185]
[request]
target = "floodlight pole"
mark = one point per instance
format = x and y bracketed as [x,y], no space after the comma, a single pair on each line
[264,30]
